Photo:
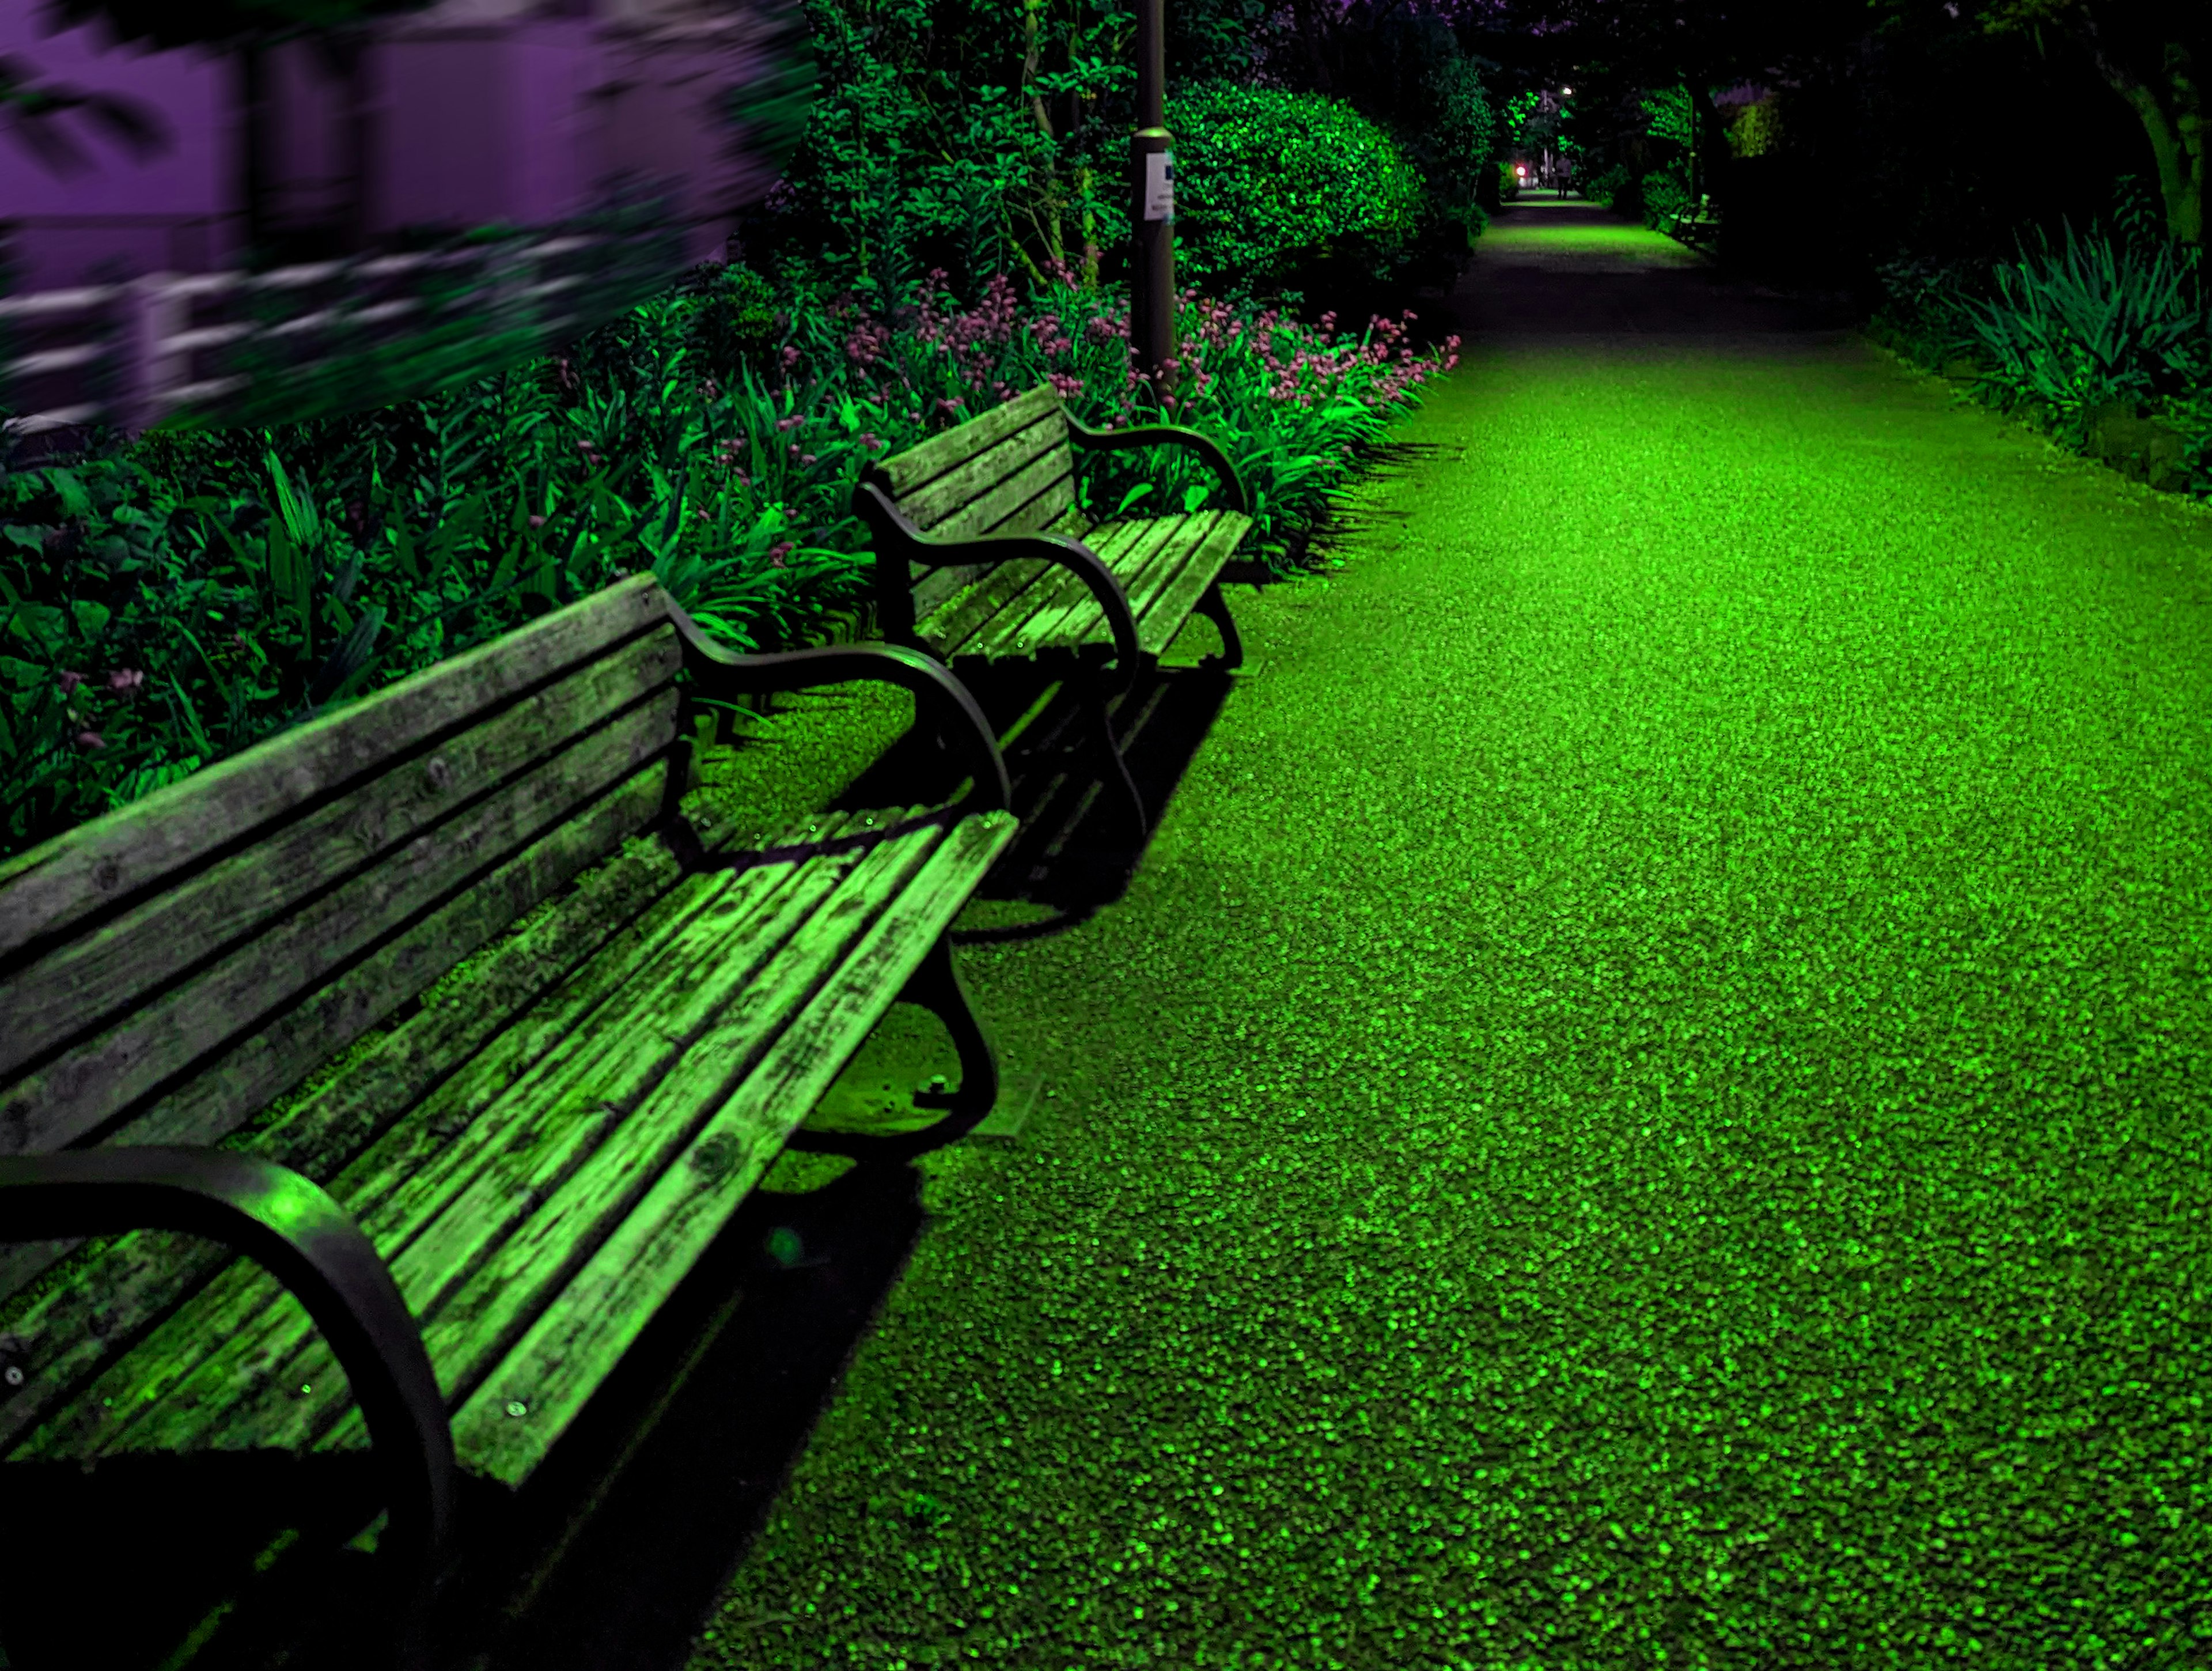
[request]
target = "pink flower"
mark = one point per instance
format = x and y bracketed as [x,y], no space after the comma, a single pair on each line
[126,679]
[70,681]
[537,522]
[89,740]
[790,356]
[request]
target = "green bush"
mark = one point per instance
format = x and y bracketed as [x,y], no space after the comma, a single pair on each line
[1404,70]
[1665,194]
[1620,190]
[1267,178]
[2105,318]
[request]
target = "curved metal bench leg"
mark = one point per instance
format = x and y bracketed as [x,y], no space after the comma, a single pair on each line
[936,987]
[1215,608]
[288,1225]
[1113,773]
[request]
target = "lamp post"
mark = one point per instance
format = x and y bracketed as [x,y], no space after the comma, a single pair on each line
[1151,213]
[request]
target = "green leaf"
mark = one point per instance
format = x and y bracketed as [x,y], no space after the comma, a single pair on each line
[76,502]
[297,508]
[292,580]
[350,658]
[91,618]
[403,547]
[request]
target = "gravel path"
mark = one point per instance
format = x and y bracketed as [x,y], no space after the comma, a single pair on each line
[1647,1104]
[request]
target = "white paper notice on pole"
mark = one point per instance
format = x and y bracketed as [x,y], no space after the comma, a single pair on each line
[1159,185]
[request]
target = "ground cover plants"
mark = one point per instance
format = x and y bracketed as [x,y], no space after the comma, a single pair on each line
[166,603]
[2115,321]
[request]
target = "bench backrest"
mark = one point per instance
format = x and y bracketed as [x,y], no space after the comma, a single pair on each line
[1010,470]
[168,971]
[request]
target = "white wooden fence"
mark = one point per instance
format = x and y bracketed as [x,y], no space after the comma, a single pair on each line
[137,353]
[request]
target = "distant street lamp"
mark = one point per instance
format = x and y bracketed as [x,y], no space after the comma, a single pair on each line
[1152,213]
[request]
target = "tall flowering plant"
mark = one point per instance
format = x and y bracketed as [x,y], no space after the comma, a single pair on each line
[1290,402]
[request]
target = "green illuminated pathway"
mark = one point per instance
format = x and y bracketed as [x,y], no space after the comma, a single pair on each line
[1647,1105]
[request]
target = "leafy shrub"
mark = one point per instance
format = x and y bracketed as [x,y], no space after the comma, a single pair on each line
[1920,315]
[1404,69]
[734,324]
[1757,129]
[1264,179]
[1616,189]
[1665,194]
[918,149]
[2103,318]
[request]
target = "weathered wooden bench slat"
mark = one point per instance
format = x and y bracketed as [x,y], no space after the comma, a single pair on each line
[1175,539]
[568,1352]
[86,1086]
[471,1326]
[477,1262]
[1173,596]
[248,1075]
[68,1331]
[991,592]
[944,586]
[613,1070]
[145,1275]
[88,869]
[1071,616]
[927,460]
[1071,523]
[985,622]
[92,978]
[972,497]
[498,1132]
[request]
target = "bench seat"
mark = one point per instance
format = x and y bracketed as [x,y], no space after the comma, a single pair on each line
[1027,607]
[537,1204]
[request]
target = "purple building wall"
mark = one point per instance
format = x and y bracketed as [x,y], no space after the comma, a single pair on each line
[520,119]
[176,212]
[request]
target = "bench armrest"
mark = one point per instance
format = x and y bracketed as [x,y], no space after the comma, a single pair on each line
[723,673]
[287,1224]
[897,538]
[1166,434]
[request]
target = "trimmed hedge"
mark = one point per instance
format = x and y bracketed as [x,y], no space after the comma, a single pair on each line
[1265,179]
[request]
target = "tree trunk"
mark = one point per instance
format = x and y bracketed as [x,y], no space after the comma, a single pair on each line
[1714,156]
[2174,124]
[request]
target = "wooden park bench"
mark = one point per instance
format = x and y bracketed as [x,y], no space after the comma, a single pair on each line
[983,555]
[1700,226]
[480,1209]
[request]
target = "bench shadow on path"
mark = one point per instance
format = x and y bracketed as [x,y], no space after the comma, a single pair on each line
[1074,855]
